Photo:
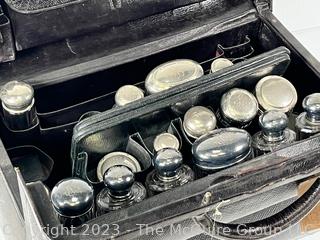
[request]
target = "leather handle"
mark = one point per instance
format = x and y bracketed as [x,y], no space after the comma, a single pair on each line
[267,227]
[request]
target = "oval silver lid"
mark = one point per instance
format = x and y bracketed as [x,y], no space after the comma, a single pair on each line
[198,121]
[127,94]
[276,93]
[222,148]
[166,140]
[239,105]
[16,95]
[173,73]
[220,63]
[72,197]
[117,159]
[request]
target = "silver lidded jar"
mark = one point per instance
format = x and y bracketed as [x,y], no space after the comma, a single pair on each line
[220,63]
[276,93]
[308,123]
[238,107]
[128,94]
[171,74]
[73,201]
[121,190]
[18,105]
[198,121]
[220,149]
[275,132]
[169,172]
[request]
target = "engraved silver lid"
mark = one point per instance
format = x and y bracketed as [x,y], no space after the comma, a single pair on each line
[166,140]
[273,123]
[17,96]
[171,74]
[222,148]
[276,93]
[72,197]
[311,104]
[167,162]
[220,63]
[239,105]
[198,121]
[127,94]
[117,159]
[119,180]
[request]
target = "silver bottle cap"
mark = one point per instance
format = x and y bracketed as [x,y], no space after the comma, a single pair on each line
[239,105]
[72,197]
[220,63]
[117,159]
[273,123]
[198,121]
[127,94]
[222,148]
[311,104]
[166,140]
[276,93]
[167,162]
[119,180]
[171,74]
[17,96]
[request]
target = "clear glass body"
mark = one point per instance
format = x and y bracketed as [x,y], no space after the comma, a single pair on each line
[262,146]
[305,128]
[106,202]
[157,184]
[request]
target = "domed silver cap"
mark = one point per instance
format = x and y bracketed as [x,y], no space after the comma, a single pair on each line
[171,74]
[17,95]
[199,121]
[222,148]
[119,180]
[166,140]
[127,94]
[72,197]
[311,105]
[167,162]
[117,159]
[239,105]
[273,123]
[220,63]
[276,93]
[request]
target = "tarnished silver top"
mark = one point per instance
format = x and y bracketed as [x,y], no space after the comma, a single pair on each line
[16,95]
[171,74]
[276,93]
[220,63]
[72,197]
[198,121]
[222,148]
[239,105]
[166,140]
[167,162]
[127,94]
[117,159]
[311,105]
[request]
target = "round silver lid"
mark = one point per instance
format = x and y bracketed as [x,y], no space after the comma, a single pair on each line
[127,94]
[17,95]
[167,162]
[273,123]
[198,121]
[166,140]
[239,105]
[171,74]
[311,104]
[220,63]
[119,180]
[276,93]
[117,159]
[72,197]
